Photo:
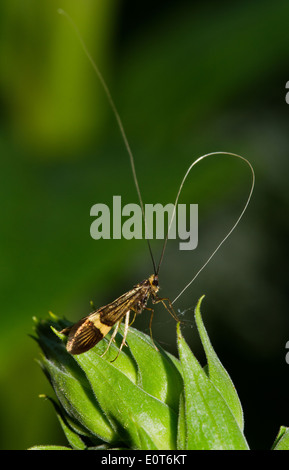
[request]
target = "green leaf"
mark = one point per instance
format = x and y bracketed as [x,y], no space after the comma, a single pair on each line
[73,438]
[49,447]
[182,429]
[78,400]
[145,440]
[128,408]
[217,373]
[158,375]
[282,439]
[210,423]
[71,386]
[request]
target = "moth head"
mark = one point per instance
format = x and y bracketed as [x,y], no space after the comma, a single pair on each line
[154,283]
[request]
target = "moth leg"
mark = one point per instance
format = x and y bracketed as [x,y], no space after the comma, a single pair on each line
[126,327]
[111,338]
[133,317]
[150,325]
[170,309]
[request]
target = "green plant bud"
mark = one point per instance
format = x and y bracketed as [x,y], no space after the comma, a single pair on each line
[132,401]
[142,397]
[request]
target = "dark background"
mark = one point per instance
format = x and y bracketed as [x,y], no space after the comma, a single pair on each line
[188,78]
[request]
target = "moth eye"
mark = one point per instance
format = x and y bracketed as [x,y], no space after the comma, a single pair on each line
[155,282]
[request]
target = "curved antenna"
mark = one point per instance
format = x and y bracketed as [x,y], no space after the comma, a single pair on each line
[230,231]
[127,146]
[118,119]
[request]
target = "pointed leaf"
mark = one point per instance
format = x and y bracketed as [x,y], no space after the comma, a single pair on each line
[73,438]
[71,386]
[78,400]
[157,373]
[210,422]
[217,373]
[129,408]
[282,440]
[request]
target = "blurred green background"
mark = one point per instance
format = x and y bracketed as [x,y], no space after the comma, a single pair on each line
[188,78]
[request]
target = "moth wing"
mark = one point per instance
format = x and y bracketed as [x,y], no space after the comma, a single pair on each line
[85,334]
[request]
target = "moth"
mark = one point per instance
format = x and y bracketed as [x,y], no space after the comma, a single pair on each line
[86,333]
[91,329]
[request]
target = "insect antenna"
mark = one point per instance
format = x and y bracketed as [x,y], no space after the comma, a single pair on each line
[230,231]
[129,151]
[119,122]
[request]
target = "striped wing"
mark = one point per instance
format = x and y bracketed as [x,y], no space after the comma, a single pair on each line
[86,333]
[114,312]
